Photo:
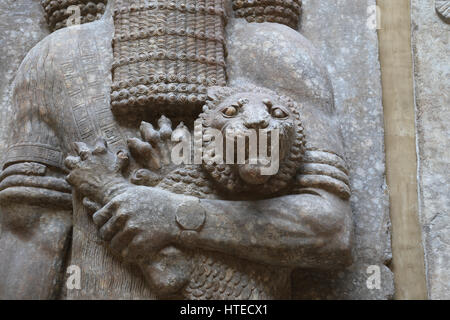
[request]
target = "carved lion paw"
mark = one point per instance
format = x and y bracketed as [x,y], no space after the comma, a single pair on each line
[153,150]
[96,171]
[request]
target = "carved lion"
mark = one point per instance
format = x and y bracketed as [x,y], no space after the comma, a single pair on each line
[228,110]
[237,110]
[236,113]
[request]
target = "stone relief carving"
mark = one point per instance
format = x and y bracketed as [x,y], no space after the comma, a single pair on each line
[58,12]
[284,12]
[443,9]
[102,106]
[180,44]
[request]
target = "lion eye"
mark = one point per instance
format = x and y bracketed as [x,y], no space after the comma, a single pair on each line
[229,111]
[278,113]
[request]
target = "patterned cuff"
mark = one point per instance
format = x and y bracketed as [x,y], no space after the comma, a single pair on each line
[34,152]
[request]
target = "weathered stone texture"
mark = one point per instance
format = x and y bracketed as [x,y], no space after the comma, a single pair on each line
[344,34]
[349,47]
[22,25]
[431,49]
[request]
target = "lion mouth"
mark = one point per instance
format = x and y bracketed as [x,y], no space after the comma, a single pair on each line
[248,149]
[254,158]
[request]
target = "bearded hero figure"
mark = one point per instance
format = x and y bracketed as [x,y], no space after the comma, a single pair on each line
[88,178]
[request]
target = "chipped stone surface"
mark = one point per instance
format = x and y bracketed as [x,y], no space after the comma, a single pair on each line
[431,45]
[345,36]
[22,25]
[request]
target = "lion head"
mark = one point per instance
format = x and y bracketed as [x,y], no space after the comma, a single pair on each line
[249,110]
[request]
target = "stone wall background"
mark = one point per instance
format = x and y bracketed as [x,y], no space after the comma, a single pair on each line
[431,48]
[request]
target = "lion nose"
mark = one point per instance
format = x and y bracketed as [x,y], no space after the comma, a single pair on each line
[260,123]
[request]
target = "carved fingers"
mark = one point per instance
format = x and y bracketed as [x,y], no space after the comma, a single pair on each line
[121,240]
[136,227]
[104,214]
[115,225]
[91,206]
[139,248]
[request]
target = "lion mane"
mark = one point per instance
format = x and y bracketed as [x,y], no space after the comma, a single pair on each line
[224,175]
